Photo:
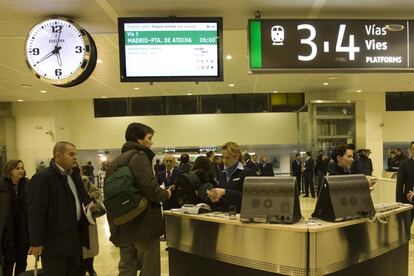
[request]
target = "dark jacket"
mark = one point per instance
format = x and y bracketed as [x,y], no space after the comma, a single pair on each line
[7,237]
[392,166]
[405,180]
[335,169]
[296,168]
[162,178]
[366,165]
[321,165]
[309,164]
[184,168]
[266,169]
[19,210]
[234,189]
[51,209]
[149,224]
[251,168]
[356,167]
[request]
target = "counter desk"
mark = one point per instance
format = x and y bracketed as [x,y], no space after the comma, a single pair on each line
[213,244]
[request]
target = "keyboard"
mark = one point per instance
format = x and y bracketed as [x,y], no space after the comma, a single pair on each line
[383,207]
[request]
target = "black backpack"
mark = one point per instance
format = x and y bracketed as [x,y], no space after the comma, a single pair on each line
[190,190]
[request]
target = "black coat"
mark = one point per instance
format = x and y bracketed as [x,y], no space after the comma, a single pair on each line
[251,168]
[52,213]
[296,168]
[234,189]
[405,180]
[19,210]
[335,169]
[266,169]
[7,237]
[356,167]
[366,165]
[309,164]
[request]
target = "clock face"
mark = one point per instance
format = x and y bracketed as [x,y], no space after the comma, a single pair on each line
[59,51]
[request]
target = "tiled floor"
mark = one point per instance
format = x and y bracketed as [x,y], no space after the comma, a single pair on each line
[107,260]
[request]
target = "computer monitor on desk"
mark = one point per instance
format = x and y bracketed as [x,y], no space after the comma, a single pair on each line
[270,199]
[344,197]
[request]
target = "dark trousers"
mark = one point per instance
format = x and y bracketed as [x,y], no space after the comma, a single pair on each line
[21,259]
[298,185]
[62,266]
[8,266]
[19,262]
[309,183]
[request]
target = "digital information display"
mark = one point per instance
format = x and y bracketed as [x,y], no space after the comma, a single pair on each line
[343,45]
[171,49]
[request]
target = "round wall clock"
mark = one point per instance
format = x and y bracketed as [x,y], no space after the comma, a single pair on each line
[60,52]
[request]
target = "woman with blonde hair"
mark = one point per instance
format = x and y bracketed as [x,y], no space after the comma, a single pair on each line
[14,233]
[230,187]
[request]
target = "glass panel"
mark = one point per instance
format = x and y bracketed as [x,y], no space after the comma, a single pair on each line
[260,103]
[102,107]
[119,107]
[182,105]
[393,101]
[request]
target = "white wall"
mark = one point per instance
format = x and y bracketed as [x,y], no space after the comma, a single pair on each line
[399,126]
[74,121]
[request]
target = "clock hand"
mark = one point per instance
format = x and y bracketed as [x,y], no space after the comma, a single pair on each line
[51,53]
[57,43]
[59,60]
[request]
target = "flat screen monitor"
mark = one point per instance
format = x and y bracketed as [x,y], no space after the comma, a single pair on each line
[171,49]
[270,200]
[344,197]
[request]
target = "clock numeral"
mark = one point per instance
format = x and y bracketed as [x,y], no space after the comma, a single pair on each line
[78,49]
[58,72]
[57,29]
[35,51]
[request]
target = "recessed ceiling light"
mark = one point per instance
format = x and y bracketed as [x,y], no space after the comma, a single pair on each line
[333,78]
[358,91]
[136,88]
[325,83]
[189,94]
[99,61]
[231,84]
[103,97]
[43,91]
[20,100]
[229,57]
[275,91]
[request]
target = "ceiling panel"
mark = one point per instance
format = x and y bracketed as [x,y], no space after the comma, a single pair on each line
[99,18]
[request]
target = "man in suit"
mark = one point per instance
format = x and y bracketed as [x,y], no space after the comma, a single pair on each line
[405,180]
[308,173]
[168,177]
[297,170]
[57,224]
[251,167]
